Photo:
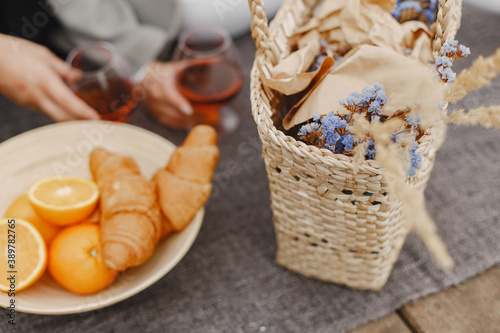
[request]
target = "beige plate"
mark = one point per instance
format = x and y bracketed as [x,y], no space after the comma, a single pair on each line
[63,148]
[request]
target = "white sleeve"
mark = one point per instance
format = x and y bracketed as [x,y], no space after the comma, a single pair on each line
[114,21]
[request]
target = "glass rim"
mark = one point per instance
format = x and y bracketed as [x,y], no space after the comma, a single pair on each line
[101,45]
[227,41]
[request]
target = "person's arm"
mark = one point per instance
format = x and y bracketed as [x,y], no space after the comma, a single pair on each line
[33,77]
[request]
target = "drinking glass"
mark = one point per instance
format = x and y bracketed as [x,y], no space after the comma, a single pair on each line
[209,75]
[106,83]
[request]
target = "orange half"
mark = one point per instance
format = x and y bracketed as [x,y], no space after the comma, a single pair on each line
[64,200]
[23,255]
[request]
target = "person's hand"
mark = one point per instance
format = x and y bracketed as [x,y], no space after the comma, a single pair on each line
[33,77]
[162,99]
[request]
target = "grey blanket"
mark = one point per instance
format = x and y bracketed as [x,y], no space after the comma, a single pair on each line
[229,281]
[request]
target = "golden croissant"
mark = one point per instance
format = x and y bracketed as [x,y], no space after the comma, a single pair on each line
[185,185]
[130,216]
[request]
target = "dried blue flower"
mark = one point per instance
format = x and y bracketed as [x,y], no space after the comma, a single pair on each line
[423,10]
[441,61]
[371,151]
[415,160]
[450,51]
[375,107]
[447,74]
[331,140]
[430,15]
[332,122]
[380,95]
[464,50]
[347,142]
[354,99]
[368,93]
[450,46]
[308,128]
[321,56]
[318,62]
[372,98]
[402,6]
[442,108]
[413,121]
[433,8]
[331,131]
[329,126]
[369,102]
[304,130]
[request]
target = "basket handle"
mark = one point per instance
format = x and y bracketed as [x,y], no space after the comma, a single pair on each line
[448,16]
[259,24]
[260,29]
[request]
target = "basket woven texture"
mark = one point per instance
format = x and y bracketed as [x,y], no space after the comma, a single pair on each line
[331,223]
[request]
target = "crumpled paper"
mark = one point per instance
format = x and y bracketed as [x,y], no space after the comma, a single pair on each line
[291,75]
[405,80]
[347,25]
[371,22]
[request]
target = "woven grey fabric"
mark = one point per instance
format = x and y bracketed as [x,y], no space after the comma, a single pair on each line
[229,281]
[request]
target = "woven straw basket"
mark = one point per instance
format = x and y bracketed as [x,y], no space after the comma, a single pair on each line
[330,223]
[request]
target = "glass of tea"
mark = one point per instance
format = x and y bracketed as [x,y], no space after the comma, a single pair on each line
[209,75]
[106,83]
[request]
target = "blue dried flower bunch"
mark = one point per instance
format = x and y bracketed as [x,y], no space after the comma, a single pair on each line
[331,131]
[450,51]
[321,56]
[422,10]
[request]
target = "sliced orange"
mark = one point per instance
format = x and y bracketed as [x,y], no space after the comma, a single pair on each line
[23,255]
[21,208]
[64,200]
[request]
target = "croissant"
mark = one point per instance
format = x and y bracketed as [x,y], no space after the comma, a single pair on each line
[194,164]
[180,200]
[130,215]
[184,185]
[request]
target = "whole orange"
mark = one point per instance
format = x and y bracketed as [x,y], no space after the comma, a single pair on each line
[75,260]
[21,208]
